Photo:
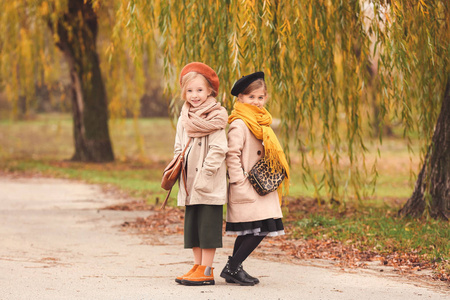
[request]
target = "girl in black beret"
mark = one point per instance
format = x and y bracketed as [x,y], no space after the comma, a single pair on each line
[249,215]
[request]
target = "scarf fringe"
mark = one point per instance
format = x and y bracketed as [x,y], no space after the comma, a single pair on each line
[273,152]
[275,164]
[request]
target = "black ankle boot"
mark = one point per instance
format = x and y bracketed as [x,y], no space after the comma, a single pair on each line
[235,276]
[254,279]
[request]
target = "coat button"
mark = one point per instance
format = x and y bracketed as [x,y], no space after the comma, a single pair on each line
[196,169]
[199,143]
[259,152]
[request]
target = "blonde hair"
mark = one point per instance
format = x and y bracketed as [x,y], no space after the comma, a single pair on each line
[191,76]
[257,84]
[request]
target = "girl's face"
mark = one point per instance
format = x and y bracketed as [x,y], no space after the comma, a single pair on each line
[197,91]
[257,98]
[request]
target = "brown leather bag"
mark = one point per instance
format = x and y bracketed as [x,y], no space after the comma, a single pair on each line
[172,173]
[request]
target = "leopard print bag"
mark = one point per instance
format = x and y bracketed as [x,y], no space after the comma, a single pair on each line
[263,178]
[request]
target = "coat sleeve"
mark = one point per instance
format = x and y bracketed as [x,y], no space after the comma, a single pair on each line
[217,150]
[236,141]
[178,147]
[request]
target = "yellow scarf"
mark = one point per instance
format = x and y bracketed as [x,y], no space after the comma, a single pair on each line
[258,120]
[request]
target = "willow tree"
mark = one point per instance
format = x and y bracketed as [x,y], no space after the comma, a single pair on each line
[420,42]
[74,29]
[316,56]
[105,79]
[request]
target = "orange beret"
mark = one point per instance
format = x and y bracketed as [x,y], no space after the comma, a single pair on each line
[203,69]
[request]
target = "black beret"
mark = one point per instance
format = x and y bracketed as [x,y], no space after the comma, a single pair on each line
[240,85]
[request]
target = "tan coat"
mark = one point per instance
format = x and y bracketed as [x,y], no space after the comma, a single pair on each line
[206,168]
[244,203]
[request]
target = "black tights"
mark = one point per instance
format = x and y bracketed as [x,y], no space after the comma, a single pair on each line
[243,247]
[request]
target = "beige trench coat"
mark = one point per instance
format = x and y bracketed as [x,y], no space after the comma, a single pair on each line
[206,168]
[244,203]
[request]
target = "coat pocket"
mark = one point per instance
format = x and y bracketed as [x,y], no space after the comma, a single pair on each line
[242,192]
[204,183]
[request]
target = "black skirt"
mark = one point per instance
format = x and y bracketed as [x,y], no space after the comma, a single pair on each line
[268,227]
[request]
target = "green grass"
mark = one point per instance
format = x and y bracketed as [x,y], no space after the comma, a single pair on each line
[378,229]
[44,145]
[49,136]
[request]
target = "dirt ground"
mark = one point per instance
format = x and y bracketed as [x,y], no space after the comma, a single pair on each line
[58,242]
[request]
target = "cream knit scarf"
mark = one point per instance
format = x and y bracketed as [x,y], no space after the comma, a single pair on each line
[205,119]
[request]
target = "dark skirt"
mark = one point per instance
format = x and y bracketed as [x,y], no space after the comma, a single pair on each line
[268,227]
[203,226]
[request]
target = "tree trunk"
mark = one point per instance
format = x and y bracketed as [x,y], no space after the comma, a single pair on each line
[432,191]
[153,102]
[77,33]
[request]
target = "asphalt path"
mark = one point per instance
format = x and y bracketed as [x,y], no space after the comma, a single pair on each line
[58,242]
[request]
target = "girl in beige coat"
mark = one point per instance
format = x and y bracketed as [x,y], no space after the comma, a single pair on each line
[201,127]
[250,138]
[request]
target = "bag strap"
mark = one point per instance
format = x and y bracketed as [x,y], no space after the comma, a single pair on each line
[183,172]
[163,205]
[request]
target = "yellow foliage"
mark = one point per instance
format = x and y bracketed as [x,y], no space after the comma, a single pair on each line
[44,10]
[316,55]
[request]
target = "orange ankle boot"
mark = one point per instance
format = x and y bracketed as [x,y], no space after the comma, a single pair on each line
[180,278]
[202,276]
